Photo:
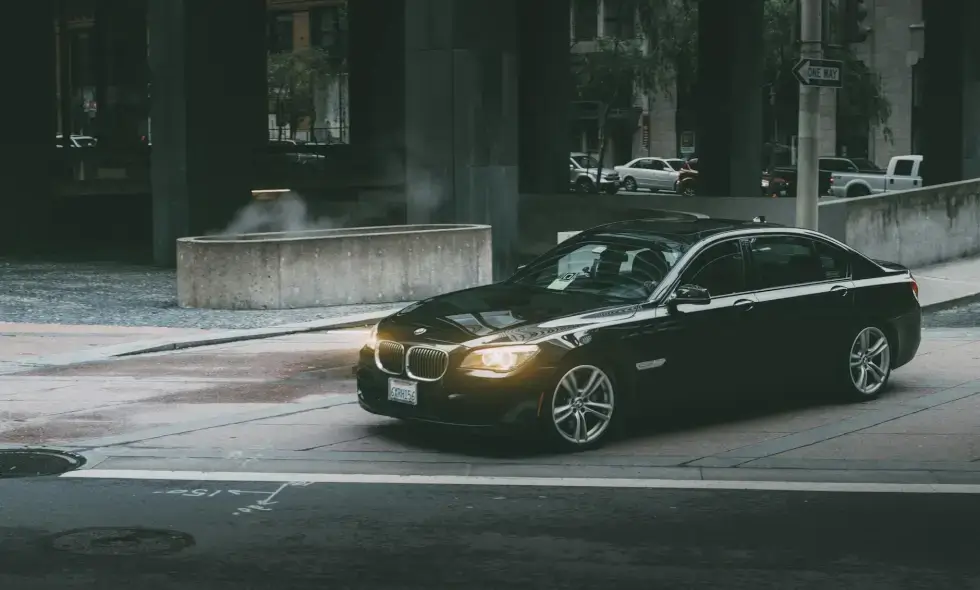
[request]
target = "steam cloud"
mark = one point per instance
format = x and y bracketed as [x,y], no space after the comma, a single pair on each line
[288,213]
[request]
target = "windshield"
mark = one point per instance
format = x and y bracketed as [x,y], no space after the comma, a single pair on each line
[586,161]
[866,165]
[621,266]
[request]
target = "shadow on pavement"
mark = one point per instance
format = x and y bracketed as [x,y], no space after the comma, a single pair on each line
[650,422]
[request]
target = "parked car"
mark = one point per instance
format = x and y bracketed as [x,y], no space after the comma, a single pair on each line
[687,181]
[76,141]
[582,175]
[654,174]
[825,167]
[903,173]
[636,314]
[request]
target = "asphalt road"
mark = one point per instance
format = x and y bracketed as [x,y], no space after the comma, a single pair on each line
[334,536]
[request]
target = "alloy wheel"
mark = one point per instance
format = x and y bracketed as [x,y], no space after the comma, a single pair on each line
[582,406]
[629,184]
[870,361]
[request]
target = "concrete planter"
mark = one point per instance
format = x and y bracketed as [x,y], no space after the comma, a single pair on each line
[317,268]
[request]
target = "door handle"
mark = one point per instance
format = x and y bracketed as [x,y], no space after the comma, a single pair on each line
[839,290]
[744,304]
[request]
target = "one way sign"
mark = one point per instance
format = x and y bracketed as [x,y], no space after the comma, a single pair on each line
[826,73]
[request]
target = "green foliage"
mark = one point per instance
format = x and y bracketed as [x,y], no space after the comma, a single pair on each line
[672,29]
[611,72]
[292,80]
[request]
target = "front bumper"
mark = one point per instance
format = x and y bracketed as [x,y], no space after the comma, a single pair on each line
[459,398]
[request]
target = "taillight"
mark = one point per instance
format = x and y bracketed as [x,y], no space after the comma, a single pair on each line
[915,287]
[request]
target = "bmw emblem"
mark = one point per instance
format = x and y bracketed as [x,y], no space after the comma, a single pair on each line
[420,331]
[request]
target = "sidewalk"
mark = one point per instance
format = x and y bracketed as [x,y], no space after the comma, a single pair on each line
[948,284]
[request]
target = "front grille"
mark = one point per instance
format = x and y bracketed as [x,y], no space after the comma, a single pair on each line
[427,364]
[390,357]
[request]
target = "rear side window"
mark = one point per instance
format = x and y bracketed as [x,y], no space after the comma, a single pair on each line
[785,261]
[834,261]
[903,167]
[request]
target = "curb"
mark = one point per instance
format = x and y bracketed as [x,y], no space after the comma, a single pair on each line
[949,303]
[172,344]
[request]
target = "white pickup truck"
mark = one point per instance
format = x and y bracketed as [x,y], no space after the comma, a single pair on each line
[903,173]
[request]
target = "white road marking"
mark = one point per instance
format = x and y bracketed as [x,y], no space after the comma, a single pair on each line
[561,482]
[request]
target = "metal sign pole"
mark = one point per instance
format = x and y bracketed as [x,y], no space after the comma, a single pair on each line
[807,188]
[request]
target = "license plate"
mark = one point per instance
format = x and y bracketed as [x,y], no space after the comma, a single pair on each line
[405,392]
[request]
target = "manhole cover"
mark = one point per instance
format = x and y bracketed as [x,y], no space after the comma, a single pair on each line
[36,462]
[121,541]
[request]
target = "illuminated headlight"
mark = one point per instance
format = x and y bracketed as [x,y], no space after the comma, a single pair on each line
[765,183]
[500,359]
[372,340]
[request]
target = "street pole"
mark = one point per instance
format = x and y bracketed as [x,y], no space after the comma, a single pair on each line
[807,180]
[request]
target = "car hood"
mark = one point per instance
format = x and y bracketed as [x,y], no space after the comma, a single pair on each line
[503,312]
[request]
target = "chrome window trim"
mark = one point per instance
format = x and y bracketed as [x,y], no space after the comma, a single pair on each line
[377,358]
[408,370]
[669,284]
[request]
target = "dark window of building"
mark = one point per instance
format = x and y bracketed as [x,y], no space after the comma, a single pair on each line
[619,19]
[280,31]
[586,16]
[328,28]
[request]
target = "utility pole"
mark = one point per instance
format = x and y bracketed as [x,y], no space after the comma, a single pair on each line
[807,174]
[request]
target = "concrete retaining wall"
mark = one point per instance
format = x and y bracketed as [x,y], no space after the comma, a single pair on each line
[331,267]
[915,228]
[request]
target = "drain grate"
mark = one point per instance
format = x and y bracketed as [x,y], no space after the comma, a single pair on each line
[121,541]
[37,462]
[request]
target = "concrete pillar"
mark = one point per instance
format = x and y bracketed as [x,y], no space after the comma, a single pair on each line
[377,91]
[120,29]
[461,116]
[29,105]
[730,95]
[946,35]
[545,88]
[209,108]
[663,124]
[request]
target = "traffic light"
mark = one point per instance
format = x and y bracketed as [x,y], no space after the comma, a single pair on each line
[855,13]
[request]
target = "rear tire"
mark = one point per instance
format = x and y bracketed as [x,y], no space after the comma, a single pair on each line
[584,185]
[582,409]
[864,368]
[858,191]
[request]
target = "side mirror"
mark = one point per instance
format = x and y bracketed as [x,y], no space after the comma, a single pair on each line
[690,295]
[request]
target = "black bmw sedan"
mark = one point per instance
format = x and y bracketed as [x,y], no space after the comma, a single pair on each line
[644,311]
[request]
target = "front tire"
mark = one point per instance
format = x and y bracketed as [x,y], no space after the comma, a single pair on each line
[869,364]
[581,411]
[629,184]
[584,185]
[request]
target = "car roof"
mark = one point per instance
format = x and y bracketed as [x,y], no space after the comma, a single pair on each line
[682,229]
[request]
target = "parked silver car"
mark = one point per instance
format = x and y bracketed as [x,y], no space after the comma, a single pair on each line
[655,174]
[582,175]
